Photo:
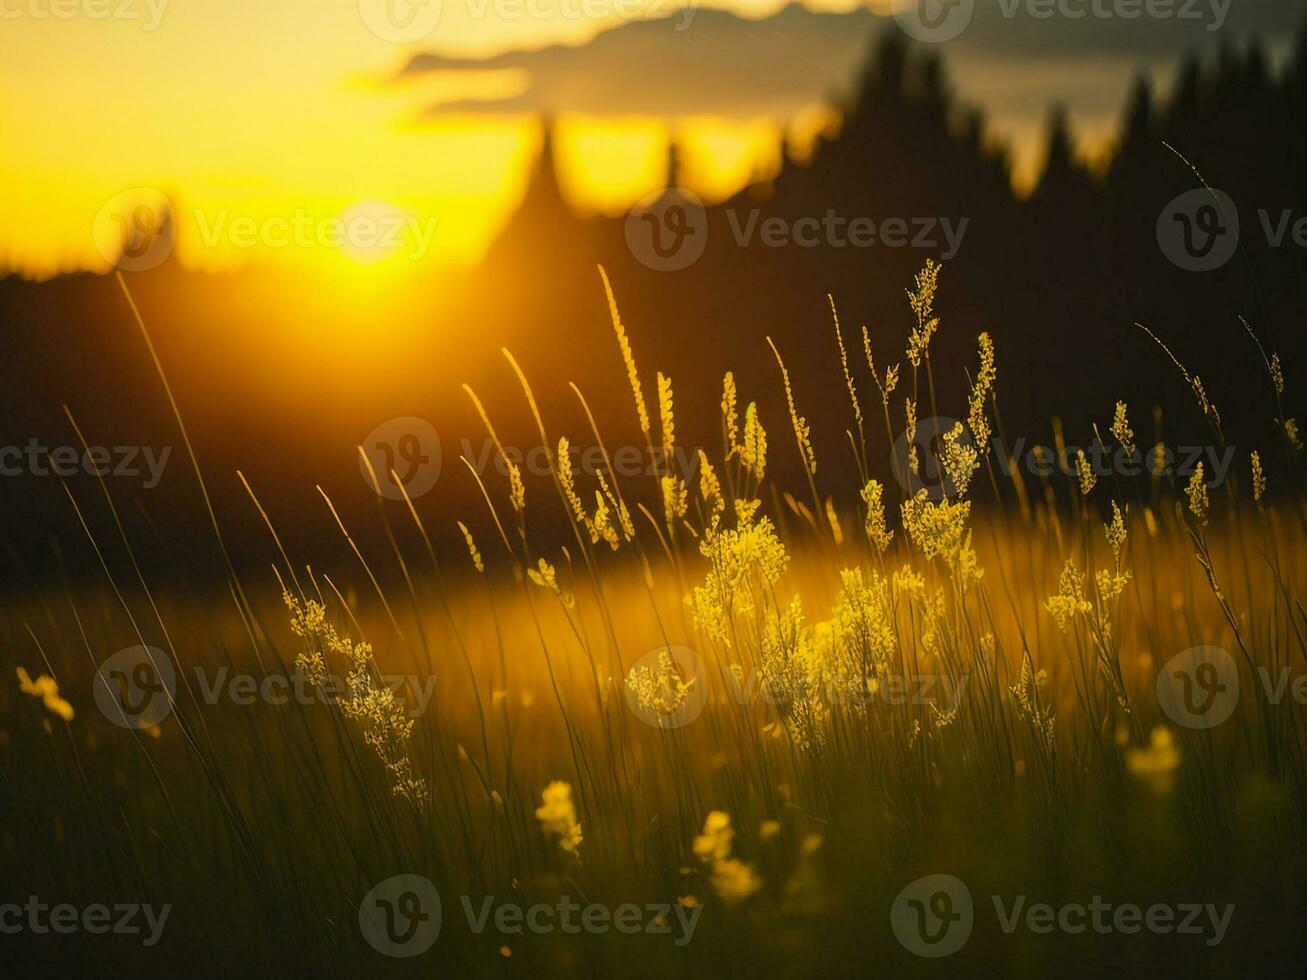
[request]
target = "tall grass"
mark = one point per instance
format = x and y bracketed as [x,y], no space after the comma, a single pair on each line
[776,710]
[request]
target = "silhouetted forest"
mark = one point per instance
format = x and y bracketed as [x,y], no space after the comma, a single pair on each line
[1059,278]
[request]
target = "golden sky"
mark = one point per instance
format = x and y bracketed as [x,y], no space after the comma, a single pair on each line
[257,109]
[285,115]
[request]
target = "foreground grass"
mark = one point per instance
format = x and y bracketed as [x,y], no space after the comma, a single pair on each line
[957,700]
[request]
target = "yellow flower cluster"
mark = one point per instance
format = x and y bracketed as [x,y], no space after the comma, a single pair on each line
[730,415]
[910,433]
[859,639]
[1085,473]
[385,721]
[676,497]
[1110,583]
[477,563]
[544,576]
[557,814]
[600,527]
[922,300]
[1121,430]
[732,879]
[1157,763]
[745,560]
[792,672]
[753,449]
[1070,600]
[675,492]
[628,358]
[977,420]
[1116,533]
[960,460]
[873,495]
[1196,491]
[891,379]
[802,431]
[710,488]
[45,689]
[662,690]
[1030,706]
[939,529]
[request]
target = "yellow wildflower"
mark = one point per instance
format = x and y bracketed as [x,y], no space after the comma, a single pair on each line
[710,488]
[960,460]
[1030,706]
[977,421]
[732,879]
[383,717]
[1157,763]
[844,364]
[1085,473]
[47,690]
[1121,429]
[676,497]
[730,417]
[753,450]
[746,561]
[792,671]
[628,358]
[1116,533]
[567,481]
[891,373]
[544,576]
[663,690]
[802,431]
[1196,491]
[936,528]
[879,535]
[1070,599]
[558,815]
[516,488]
[472,547]
[922,301]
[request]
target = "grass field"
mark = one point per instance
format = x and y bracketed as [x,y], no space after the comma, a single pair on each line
[745,730]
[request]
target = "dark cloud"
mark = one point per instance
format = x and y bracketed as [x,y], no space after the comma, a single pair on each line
[1110,28]
[711,61]
[692,62]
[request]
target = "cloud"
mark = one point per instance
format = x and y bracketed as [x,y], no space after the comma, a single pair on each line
[1139,30]
[715,62]
[698,62]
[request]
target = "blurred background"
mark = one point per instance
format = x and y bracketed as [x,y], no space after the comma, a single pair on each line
[333,215]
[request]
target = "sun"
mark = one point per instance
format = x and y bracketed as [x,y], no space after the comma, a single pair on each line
[374,232]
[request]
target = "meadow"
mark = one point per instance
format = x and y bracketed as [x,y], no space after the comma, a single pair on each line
[728,728]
